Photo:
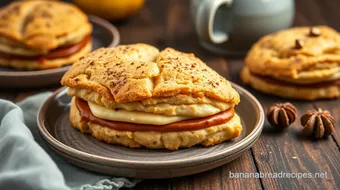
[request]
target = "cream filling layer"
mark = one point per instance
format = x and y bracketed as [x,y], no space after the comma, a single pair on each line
[133,116]
[186,110]
[317,79]
[179,105]
[310,77]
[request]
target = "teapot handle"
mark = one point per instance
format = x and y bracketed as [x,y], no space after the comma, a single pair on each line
[204,21]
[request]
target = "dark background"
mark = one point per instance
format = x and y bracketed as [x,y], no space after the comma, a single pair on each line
[167,23]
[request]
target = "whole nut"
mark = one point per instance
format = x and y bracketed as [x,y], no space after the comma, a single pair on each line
[281,115]
[318,123]
[299,44]
[314,32]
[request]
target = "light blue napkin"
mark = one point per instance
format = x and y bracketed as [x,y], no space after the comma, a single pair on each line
[26,161]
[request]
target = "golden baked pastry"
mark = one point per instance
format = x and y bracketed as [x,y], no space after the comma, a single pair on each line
[301,63]
[134,95]
[42,34]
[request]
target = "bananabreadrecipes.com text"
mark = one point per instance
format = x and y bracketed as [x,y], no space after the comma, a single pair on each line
[274,175]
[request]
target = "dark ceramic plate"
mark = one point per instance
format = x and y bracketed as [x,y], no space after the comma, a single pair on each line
[85,151]
[104,35]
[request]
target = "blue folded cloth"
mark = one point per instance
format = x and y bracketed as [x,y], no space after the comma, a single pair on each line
[26,161]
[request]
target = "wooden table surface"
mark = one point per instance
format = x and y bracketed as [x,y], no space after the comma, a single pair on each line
[168,24]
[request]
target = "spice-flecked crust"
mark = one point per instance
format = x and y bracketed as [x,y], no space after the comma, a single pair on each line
[155,140]
[277,54]
[300,55]
[43,25]
[136,72]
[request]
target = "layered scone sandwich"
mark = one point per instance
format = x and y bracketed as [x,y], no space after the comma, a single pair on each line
[134,95]
[301,63]
[42,35]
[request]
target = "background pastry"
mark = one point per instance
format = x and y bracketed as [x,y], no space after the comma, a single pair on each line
[136,96]
[43,34]
[301,62]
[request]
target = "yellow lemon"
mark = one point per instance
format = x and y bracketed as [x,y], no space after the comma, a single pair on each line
[110,9]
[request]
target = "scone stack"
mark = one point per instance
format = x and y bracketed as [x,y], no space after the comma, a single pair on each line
[42,34]
[136,96]
[301,63]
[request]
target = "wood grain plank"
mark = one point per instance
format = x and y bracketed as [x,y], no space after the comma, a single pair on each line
[334,107]
[8,94]
[25,93]
[220,178]
[288,151]
[244,164]
[328,10]
[206,180]
[155,184]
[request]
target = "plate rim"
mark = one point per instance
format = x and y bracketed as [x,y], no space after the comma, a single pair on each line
[92,18]
[52,141]
[140,167]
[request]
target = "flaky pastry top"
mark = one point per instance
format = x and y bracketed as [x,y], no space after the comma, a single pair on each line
[43,24]
[136,72]
[295,52]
